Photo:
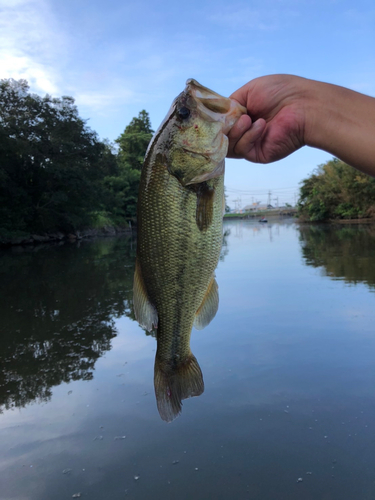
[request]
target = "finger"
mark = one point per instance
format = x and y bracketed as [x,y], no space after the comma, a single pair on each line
[245,147]
[241,95]
[242,125]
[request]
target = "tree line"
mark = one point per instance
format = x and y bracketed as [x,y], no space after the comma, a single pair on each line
[57,175]
[337,191]
[55,172]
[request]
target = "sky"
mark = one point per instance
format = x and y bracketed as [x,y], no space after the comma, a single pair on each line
[118,57]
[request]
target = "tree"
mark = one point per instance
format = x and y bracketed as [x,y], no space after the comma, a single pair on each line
[336,191]
[124,186]
[134,140]
[55,173]
[51,162]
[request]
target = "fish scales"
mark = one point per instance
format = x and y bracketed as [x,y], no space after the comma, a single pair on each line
[183,258]
[179,217]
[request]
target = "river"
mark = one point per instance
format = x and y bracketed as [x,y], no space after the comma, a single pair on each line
[288,410]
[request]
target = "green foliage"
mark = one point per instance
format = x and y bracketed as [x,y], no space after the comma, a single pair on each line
[134,140]
[55,173]
[51,162]
[101,220]
[124,185]
[336,191]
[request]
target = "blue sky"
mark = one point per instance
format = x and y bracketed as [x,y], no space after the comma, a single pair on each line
[119,57]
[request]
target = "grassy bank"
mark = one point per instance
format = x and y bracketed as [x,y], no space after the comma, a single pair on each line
[292,212]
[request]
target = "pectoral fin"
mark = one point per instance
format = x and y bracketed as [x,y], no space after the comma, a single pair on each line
[209,306]
[205,206]
[145,312]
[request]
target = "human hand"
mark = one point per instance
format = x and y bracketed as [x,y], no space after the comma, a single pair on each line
[275,124]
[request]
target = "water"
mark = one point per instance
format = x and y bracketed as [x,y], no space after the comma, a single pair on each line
[288,364]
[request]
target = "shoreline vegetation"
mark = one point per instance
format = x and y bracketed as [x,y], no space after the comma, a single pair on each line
[334,193]
[337,192]
[59,181]
[57,178]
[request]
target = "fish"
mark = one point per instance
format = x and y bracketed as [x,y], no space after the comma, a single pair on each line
[179,236]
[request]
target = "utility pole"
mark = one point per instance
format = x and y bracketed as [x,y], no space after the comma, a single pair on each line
[277,201]
[237,206]
[269,198]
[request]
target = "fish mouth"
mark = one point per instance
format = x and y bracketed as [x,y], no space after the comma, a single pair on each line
[213,106]
[211,100]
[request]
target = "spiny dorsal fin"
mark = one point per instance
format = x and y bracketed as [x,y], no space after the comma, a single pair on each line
[209,306]
[172,385]
[145,312]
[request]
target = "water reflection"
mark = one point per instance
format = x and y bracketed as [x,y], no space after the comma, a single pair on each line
[272,227]
[57,314]
[288,365]
[59,303]
[343,252]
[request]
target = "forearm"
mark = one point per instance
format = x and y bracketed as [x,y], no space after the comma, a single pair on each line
[341,122]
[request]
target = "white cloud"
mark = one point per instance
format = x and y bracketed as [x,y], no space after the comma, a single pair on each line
[34,47]
[30,43]
[102,101]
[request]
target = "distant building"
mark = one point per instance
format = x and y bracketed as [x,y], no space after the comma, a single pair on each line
[257,206]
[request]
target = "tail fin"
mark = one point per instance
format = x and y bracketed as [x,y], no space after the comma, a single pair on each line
[172,385]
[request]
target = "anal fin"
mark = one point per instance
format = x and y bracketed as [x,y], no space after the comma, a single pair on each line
[208,309]
[145,312]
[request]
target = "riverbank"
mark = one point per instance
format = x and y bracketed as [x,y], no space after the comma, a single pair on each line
[273,214]
[22,239]
[292,212]
[34,239]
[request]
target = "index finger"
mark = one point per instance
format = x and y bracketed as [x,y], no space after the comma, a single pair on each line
[242,125]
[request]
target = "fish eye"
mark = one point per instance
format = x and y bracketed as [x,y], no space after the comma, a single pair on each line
[183,113]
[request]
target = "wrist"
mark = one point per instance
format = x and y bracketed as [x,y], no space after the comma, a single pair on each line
[341,122]
[323,115]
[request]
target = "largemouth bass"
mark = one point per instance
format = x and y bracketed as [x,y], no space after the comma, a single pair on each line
[180,213]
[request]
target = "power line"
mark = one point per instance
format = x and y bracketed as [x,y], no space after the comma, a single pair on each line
[255,192]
